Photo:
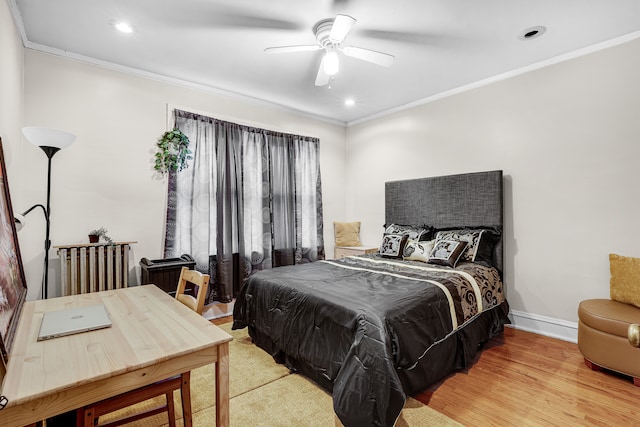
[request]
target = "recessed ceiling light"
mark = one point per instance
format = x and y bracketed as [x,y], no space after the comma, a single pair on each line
[349,102]
[532,32]
[123,27]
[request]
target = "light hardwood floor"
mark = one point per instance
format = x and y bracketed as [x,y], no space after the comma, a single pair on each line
[526,379]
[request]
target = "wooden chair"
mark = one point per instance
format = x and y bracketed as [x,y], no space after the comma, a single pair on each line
[196,278]
[89,415]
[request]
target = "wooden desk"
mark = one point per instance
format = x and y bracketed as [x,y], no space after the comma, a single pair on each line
[153,337]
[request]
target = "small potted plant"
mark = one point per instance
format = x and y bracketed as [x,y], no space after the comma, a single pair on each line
[173,152]
[95,235]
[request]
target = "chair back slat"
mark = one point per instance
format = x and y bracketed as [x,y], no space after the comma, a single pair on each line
[195,277]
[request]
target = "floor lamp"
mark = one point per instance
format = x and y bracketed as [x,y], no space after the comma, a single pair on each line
[50,141]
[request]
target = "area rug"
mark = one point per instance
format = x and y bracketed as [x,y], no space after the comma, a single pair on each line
[263,393]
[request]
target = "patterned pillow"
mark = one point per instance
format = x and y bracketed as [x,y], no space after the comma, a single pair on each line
[393,245]
[414,232]
[447,252]
[480,243]
[418,251]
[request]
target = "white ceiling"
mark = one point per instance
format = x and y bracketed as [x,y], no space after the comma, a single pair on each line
[439,45]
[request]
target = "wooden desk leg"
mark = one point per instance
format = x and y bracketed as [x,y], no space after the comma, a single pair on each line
[185,392]
[222,386]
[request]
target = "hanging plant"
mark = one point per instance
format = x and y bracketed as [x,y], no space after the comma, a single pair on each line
[173,152]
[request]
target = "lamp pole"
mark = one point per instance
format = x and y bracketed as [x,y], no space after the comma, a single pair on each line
[50,152]
[50,141]
[45,272]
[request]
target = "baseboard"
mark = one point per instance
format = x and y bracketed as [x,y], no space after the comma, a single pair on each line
[543,325]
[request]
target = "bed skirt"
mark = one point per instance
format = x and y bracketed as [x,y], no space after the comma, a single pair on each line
[455,352]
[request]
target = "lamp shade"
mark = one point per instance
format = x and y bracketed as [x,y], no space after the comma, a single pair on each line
[331,64]
[20,221]
[47,137]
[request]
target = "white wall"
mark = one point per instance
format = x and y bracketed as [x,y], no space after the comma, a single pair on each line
[106,177]
[11,70]
[568,140]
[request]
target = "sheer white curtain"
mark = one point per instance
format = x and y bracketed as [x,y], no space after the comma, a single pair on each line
[250,199]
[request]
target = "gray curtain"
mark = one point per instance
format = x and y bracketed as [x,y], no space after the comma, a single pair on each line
[250,199]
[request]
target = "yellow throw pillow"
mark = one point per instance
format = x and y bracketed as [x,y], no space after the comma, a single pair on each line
[625,279]
[347,233]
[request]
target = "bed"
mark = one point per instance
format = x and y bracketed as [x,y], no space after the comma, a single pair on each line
[376,328]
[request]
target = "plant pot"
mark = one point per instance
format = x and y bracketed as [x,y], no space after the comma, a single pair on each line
[93,238]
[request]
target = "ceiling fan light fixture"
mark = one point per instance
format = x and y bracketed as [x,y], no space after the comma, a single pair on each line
[330,34]
[331,63]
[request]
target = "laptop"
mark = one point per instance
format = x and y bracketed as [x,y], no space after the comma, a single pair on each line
[73,321]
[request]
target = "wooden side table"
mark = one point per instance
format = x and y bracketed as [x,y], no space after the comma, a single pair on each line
[343,251]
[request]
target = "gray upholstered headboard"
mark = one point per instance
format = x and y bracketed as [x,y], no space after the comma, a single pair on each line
[472,199]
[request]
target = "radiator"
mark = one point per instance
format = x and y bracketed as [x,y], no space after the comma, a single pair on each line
[94,267]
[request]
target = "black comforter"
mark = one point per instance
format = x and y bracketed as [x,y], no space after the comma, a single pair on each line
[365,327]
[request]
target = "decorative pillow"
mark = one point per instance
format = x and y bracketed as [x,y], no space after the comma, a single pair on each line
[393,245]
[625,279]
[347,233]
[414,232]
[447,252]
[480,243]
[418,251]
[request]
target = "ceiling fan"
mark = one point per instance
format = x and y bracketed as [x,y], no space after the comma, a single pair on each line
[330,33]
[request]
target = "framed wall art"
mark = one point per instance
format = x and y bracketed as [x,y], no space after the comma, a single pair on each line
[13,286]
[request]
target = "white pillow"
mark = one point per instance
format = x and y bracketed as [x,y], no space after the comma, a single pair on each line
[418,251]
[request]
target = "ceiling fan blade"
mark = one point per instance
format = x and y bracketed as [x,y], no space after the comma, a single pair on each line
[342,25]
[322,78]
[368,55]
[431,39]
[289,49]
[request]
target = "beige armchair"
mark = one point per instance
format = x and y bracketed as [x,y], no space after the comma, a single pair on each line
[603,332]
[607,326]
